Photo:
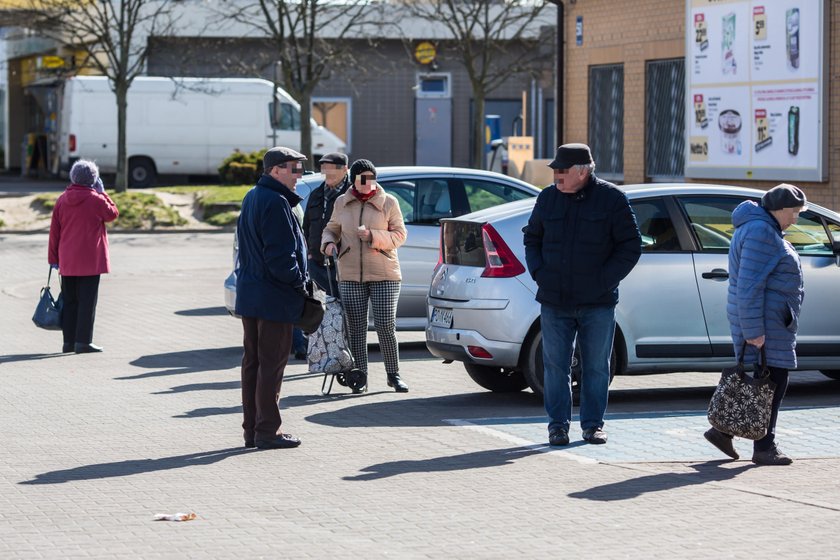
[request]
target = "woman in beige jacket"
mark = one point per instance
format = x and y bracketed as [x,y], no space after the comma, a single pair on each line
[364,232]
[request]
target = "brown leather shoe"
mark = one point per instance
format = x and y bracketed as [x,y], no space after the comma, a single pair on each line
[721,441]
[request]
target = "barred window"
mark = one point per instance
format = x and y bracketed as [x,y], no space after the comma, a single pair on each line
[665,126]
[606,120]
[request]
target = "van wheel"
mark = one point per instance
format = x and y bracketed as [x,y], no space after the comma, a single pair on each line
[141,173]
[831,373]
[496,379]
[534,373]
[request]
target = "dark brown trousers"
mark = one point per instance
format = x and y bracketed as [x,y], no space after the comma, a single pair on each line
[267,347]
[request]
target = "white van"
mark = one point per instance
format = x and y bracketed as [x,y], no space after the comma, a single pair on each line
[184,126]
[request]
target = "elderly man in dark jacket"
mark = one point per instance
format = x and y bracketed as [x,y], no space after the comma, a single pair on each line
[270,293]
[319,209]
[580,242]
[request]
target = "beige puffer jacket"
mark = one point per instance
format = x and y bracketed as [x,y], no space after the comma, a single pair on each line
[366,261]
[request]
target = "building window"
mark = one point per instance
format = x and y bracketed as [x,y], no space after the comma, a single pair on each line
[335,114]
[665,120]
[606,120]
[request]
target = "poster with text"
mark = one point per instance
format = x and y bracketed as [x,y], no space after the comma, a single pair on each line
[755,95]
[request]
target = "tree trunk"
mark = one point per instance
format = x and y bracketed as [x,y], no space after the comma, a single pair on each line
[306,126]
[121,89]
[477,159]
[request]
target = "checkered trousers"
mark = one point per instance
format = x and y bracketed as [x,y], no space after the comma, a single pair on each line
[383,297]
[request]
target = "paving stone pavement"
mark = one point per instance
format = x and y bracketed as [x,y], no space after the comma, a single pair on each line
[92,446]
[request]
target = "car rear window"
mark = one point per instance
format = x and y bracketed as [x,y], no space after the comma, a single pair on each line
[463,244]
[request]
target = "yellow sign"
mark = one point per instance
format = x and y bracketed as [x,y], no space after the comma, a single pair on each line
[425,52]
[52,62]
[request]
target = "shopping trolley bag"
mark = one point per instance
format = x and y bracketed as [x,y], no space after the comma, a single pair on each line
[329,351]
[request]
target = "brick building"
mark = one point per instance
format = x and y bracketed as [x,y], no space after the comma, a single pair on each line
[633,54]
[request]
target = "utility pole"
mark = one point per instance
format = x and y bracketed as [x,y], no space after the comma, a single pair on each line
[559,74]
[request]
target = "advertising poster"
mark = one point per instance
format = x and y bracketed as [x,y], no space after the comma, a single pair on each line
[754,89]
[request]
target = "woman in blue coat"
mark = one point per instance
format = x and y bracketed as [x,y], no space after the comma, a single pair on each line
[764,300]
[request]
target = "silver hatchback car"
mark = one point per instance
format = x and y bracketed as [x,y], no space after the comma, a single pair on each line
[671,314]
[426,195]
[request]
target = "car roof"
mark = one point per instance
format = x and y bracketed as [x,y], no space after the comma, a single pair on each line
[634,191]
[312,181]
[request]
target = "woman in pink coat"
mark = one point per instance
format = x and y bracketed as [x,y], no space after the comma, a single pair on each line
[79,250]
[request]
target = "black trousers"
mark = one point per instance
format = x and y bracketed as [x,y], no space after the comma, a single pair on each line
[780,377]
[267,346]
[80,294]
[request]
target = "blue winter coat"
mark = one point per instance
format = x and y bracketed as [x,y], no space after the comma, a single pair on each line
[271,272]
[578,247]
[765,286]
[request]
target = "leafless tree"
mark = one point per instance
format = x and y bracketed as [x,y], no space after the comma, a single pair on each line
[494,40]
[111,36]
[308,38]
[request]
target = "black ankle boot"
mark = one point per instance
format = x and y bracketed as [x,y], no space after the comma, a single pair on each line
[397,383]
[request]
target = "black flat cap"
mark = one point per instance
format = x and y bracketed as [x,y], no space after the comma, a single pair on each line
[571,154]
[784,196]
[280,154]
[336,158]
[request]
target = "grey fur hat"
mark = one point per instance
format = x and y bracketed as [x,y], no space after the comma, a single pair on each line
[84,173]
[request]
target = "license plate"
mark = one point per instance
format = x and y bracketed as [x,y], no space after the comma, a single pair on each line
[441,317]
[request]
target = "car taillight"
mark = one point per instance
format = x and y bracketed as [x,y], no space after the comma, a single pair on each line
[500,260]
[71,143]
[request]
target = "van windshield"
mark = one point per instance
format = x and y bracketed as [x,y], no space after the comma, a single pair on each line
[284,116]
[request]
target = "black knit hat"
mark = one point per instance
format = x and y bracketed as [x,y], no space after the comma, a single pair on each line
[359,166]
[784,196]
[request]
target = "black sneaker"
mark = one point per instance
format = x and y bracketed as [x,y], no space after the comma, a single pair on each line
[595,436]
[721,441]
[558,437]
[771,456]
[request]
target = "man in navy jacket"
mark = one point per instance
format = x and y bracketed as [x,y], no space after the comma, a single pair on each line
[270,280]
[580,242]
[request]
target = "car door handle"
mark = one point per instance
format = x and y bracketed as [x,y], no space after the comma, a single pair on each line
[716,273]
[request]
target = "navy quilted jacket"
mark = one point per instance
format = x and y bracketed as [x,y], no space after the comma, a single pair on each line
[765,286]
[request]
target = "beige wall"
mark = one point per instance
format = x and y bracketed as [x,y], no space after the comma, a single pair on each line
[635,32]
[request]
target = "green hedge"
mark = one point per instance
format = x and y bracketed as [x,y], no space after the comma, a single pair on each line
[241,168]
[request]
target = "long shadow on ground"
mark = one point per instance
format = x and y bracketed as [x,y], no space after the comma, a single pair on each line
[464,461]
[138,466]
[407,412]
[709,471]
[187,361]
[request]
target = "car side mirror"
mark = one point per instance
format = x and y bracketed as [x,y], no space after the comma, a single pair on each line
[835,247]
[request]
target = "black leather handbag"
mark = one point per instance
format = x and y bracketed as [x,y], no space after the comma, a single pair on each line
[741,404]
[48,311]
[313,308]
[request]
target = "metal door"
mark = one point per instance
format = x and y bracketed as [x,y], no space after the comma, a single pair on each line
[434,131]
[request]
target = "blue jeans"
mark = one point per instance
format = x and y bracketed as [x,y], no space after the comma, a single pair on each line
[594,328]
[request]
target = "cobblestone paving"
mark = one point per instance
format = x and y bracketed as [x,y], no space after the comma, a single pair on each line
[812,433]
[92,446]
